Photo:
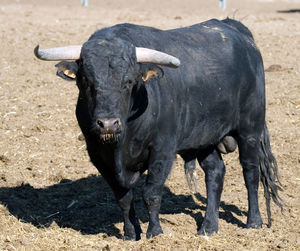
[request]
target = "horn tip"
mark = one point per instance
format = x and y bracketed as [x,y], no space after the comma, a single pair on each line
[176,63]
[36,51]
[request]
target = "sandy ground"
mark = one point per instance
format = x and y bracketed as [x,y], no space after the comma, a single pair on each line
[52,198]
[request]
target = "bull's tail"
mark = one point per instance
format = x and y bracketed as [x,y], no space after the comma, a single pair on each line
[269,174]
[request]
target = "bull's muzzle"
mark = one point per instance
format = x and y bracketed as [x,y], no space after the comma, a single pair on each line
[110,129]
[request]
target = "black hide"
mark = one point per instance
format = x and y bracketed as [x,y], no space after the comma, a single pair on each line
[218,90]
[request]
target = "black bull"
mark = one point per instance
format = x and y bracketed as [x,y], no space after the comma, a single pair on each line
[137,116]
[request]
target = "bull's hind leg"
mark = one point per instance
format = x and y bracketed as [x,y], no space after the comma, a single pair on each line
[190,175]
[212,164]
[227,145]
[249,158]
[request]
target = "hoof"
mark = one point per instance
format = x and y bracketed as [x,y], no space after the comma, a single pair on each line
[206,232]
[208,229]
[254,222]
[129,238]
[153,232]
[254,225]
[132,235]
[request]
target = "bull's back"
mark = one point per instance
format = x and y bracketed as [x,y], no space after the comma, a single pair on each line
[216,68]
[220,65]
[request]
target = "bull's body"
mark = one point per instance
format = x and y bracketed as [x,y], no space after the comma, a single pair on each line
[194,106]
[218,90]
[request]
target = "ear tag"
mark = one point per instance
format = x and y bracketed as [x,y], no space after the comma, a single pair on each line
[69,74]
[149,74]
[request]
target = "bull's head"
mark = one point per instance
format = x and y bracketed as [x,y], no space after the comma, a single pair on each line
[106,72]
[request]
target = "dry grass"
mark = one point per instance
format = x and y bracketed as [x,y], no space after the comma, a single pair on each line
[51,197]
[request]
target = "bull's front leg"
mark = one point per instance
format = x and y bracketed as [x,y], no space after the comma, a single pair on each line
[158,171]
[124,198]
[132,229]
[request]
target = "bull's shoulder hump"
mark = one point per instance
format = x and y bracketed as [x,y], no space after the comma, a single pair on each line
[127,31]
[131,26]
[238,26]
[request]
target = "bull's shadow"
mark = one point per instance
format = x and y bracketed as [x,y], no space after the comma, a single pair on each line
[289,11]
[88,205]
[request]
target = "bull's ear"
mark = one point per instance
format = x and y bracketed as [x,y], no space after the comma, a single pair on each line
[67,70]
[151,72]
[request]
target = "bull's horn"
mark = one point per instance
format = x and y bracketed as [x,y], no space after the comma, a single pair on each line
[60,53]
[145,55]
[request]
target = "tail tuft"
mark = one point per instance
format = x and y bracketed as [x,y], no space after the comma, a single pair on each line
[269,174]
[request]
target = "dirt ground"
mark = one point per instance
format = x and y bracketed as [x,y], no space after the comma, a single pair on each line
[52,198]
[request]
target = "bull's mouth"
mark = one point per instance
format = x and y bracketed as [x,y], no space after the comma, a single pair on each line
[110,137]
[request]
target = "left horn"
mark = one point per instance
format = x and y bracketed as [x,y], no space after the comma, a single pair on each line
[60,53]
[145,55]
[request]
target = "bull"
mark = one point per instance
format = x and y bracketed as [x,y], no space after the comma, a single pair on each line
[137,109]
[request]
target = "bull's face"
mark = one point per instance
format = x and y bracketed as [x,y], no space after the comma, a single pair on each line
[107,73]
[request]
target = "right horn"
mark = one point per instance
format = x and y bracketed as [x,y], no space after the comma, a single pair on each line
[145,55]
[60,53]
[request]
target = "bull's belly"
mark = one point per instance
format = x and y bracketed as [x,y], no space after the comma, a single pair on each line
[204,135]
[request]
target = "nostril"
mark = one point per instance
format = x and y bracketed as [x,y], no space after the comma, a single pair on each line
[100,123]
[109,124]
[117,124]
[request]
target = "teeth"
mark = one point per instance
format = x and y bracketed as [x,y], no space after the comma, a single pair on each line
[110,137]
